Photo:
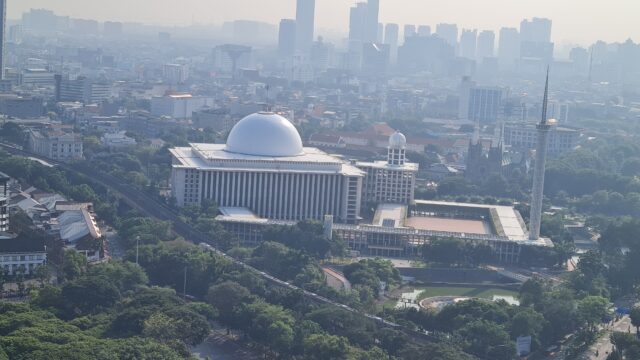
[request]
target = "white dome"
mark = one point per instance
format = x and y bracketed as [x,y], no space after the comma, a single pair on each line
[264,134]
[397,140]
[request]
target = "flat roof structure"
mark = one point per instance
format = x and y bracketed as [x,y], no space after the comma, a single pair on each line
[505,220]
[215,157]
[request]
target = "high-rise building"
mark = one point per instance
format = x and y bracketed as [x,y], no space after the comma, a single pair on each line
[373,13]
[305,24]
[448,32]
[409,31]
[358,23]
[3,28]
[508,48]
[424,30]
[287,38]
[536,30]
[380,35]
[480,104]
[375,59]
[468,43]
[535,40]
[486,44]
[82,89]
[391,35]
[537,192]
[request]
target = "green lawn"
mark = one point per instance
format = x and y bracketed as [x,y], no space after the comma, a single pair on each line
[465,291]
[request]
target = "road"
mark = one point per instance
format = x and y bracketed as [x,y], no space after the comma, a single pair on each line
[601,349]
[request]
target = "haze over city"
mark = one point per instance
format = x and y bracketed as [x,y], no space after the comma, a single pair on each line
[319,179]
[575,21]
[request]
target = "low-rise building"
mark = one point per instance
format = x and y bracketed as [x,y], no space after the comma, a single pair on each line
[56,144]
[21,255]
[117,140]
[179,106]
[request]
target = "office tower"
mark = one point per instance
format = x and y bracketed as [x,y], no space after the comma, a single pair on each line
[486,44]
[481,104]
[537,192]
[380,34]
[424,30]
[409,31]
[373,12]
[535,40]
[468,43]
[508,48]
[357,22]
[287,38]
[391,35]
[448,32]
[536,30]
[375,59]
[3,27]
[305,24]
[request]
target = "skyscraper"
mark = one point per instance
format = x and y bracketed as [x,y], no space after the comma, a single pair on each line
[508,48]
[3,26]
[373,12]
[305,24]
[535,40]
[537,192]
[486,44]
[536,30]
[287,38]
[468,43]
[391,34]
[448,32]
[358,23]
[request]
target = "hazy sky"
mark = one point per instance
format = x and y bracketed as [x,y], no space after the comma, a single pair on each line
[581,21]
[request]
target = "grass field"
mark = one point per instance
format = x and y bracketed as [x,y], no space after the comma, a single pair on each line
[485,293]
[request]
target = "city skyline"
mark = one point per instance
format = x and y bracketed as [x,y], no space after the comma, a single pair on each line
[573,21]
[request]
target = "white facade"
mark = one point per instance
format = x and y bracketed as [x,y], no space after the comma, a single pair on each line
[117,139]
[56,145]
[179,106]
[25,262]
[263,167]
[391,181]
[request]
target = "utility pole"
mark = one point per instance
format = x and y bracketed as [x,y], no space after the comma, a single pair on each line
[184,284]
[137,246]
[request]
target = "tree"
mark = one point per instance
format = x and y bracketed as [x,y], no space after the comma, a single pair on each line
[326,347]
[488,340]
[43,274]
[592,311]
[88,295]
[635,318]
[227,298]
[74,264]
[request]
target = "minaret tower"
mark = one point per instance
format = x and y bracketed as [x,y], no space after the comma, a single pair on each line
[396,154]
[538,176]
